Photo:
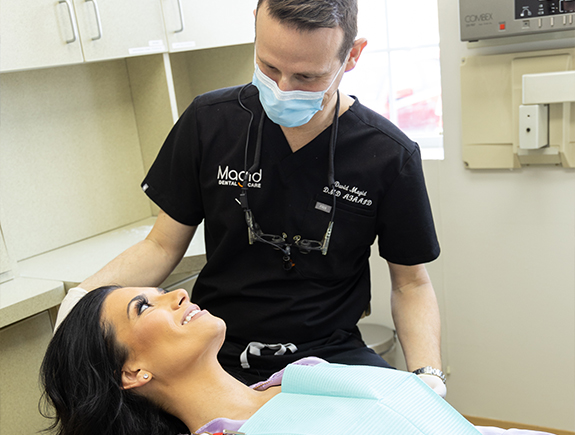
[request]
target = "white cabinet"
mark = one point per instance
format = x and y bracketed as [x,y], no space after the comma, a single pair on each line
[45,33]
[38,33]
[195,24]
[111,29]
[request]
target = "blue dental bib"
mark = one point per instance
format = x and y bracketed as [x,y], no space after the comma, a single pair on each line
[346,400]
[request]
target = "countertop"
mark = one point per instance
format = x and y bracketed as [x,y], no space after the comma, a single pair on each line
[43,280]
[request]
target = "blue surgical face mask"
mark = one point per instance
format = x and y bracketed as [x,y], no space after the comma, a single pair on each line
[288,108]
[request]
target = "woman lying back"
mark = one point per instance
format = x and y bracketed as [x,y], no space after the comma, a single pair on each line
[129,361]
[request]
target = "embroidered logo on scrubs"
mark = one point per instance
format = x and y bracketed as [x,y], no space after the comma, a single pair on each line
[232,177]
[349,193]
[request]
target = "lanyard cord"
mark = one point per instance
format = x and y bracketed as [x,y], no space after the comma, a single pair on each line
[243,197]
[286,250]
[331,165]
[244,187]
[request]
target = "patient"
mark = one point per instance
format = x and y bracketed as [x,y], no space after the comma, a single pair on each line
[143,361]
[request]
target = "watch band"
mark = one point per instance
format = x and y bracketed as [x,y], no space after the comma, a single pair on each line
[430,371]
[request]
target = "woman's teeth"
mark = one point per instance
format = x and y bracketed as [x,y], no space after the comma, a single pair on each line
[189,316]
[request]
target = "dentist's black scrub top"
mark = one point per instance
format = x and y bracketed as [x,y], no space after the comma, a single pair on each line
[380,191]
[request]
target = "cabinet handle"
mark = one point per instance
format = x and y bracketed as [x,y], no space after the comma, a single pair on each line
[72,22]
[181,29]
[98,20]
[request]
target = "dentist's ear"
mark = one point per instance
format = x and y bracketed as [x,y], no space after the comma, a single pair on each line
[135,378]
[358,46]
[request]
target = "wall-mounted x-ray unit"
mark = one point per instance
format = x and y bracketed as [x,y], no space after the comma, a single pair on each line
[486,19]
[518,109]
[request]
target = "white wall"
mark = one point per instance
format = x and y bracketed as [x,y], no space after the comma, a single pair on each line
[506,276]
[508,239]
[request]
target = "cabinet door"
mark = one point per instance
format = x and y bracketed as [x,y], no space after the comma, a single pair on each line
[111,29]
[38,33]
[196,24]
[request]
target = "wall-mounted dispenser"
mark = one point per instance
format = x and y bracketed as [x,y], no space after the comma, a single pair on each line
[519,109]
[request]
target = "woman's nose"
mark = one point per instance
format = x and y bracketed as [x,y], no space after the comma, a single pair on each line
[178,298]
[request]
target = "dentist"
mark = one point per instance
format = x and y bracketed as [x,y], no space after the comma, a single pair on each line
[294,181]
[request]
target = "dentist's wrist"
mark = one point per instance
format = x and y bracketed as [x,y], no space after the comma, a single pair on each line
[435,383]
[434,378]
[428,370]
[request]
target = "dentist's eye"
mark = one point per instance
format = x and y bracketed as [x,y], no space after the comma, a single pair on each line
[142,304]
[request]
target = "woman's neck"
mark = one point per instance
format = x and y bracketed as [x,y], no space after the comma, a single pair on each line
[203,397]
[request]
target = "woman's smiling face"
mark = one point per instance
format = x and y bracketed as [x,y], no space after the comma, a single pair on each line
[164,332]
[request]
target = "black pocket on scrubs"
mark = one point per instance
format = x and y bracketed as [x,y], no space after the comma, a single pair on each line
[352,236]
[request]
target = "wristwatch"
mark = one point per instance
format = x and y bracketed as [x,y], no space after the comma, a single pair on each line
[430,371]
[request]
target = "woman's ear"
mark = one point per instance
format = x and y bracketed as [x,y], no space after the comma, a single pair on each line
[358,46]
[135,378]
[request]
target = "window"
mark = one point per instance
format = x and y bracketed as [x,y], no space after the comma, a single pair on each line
[398,74]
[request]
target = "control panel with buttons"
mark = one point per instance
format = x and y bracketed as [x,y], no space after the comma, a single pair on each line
[488,19]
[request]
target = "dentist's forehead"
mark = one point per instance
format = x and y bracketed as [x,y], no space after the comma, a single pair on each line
[277,42]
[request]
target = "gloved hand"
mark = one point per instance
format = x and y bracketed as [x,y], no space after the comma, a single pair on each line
[435,383]
[71,299]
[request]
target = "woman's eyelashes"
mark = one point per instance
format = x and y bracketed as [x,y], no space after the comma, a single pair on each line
[142,304]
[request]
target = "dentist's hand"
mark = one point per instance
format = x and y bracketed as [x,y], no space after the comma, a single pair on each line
[71,299]
[435,383]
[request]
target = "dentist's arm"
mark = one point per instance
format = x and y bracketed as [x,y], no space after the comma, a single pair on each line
[416,316]
[147,263]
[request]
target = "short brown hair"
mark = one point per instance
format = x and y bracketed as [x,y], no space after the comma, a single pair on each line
[315,14]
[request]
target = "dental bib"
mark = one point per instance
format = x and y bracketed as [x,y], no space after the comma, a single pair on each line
[346,400]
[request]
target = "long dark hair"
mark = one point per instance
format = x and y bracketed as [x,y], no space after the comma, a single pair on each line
[82,379]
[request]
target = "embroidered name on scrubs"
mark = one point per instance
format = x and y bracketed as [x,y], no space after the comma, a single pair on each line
[352,194]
